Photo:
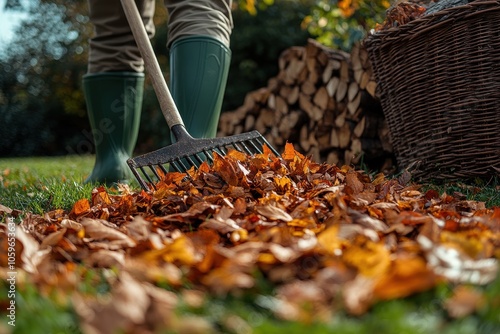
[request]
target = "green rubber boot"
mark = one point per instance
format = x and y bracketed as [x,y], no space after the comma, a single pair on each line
[114,102]
[199,66]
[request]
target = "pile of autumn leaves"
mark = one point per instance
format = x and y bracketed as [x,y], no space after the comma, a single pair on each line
[326,237]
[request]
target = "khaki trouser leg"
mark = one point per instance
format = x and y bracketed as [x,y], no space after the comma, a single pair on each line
[113,48]
[199,18]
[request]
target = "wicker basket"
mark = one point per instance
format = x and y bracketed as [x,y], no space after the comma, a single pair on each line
[439,85]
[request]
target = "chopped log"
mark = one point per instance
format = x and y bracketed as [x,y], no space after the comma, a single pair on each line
[357,75]
[340,120]
[281,105]
[321,98]
[249,122]
[341,92]
[333,157]
[352,91]
[344,71]
[334,138]
[365,79]
[304,143]
[314,153]
[293,97]
[371,88]
[308,88]
[353,106]
[332,85]
[344,134]
[333,65]
[271,101]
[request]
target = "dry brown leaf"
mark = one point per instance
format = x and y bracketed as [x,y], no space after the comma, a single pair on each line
[465,301]
[105,259]
[353,185]
[221,222]
[358,295]
[138,229]
[273,213]
[302,301]
[126,308]
[31,255]
[53,238]
[228,278]
[96,230]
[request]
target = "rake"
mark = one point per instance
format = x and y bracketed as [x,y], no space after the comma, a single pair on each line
[187,151]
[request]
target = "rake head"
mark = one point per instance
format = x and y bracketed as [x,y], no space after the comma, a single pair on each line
[186,153]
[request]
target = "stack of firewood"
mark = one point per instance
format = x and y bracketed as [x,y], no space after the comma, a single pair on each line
[324,102]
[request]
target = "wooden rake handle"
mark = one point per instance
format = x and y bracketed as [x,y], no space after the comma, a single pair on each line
[167,104]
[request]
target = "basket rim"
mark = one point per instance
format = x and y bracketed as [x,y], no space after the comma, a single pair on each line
[431,21]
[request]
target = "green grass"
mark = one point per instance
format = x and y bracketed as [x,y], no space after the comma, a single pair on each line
[39,185]
[482,191]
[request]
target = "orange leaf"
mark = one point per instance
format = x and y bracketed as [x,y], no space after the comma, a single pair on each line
[224,167]
[100,196]
[407,276]
[290,153]
[80,207]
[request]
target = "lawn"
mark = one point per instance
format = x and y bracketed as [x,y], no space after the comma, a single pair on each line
[39,185]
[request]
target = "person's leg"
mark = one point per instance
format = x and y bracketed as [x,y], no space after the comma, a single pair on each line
[199,34]
[113,88]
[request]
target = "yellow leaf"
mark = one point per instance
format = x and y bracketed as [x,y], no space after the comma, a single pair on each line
[408,275]
[370,258]
[328,239]
[181,250]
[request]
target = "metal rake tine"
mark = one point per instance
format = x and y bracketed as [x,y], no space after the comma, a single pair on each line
[180,167]
[209,156]
[242,148]
[200,160]
[249,150]
[163,169]
[191,161]
[146,174]
[143,184]
[256,147]
[155,172]
[221,150]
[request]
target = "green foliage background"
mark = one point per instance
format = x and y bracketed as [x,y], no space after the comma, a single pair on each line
[42,109]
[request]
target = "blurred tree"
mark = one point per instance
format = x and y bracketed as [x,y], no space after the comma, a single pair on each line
[251,6]
[13,5]
[39,85]
[257,41]
[341,23]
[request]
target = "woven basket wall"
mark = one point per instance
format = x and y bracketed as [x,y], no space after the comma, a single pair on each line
[439,84]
